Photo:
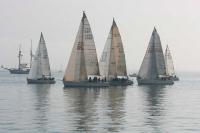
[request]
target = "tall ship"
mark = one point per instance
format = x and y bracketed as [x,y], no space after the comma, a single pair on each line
[170,65]
[153,69]
[83,68]
[40,72]
[112,61]
[23,68]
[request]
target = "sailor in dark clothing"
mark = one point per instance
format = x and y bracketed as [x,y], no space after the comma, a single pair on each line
[90,79]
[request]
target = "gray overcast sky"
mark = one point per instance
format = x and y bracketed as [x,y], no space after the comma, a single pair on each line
[177,22]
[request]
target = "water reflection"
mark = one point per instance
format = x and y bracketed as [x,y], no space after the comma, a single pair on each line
[83,107]
[96,110]
[154,107]
[116,110]
[41,106]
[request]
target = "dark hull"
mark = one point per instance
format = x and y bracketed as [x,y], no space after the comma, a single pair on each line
[41,81]
[18,71]
[132,75]
[85,84]
[120,83]
[155,82]
[175,78]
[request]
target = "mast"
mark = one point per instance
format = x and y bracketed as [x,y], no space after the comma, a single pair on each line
[76,69]
[19,56]
[118,51]
[31,54]
[90,53]
[112,60]
[82,61]
[153,51]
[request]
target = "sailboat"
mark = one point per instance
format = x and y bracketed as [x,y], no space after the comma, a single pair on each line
[83,68]
[40,72]
[153,70]
[169,65]
[112,61]
[22,67]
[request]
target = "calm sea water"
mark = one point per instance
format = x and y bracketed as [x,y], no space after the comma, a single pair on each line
[139,109]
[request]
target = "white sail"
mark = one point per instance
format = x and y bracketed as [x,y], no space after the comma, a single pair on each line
[90,53]
[119,52]
[153,63]
[112,62]
[76,68]
[40,65]
[105,57]
[169,62]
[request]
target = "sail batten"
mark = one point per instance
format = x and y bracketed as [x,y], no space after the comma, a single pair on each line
[40,65]
[112,62]
[153,63]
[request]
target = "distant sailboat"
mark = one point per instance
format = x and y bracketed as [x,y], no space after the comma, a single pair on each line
[112,62]
[31,55]
[153,70]
[83,63]
[169,65]
[40,72]
[22,67]
[60,69]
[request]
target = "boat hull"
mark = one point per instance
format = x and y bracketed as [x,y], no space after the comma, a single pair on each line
[132,75]
[18,71]
[121,83]
[175,78]
[155,82]
[41,81]
[85,84]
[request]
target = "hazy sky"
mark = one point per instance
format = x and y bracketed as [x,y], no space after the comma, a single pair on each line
[177,22]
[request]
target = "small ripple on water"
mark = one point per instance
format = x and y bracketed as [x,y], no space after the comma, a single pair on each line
[32,108]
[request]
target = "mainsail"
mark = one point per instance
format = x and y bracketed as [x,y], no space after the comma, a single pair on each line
[169,62]
[153,63]
[83,60]
[112,62]
[40,65]
[92,65]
